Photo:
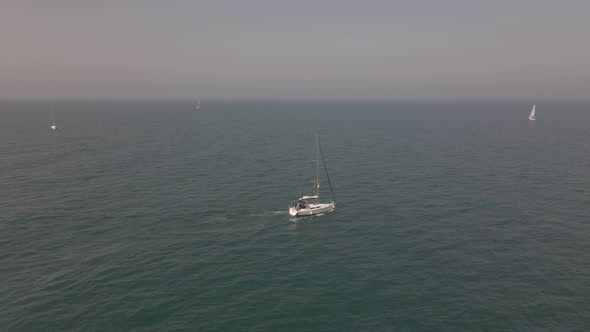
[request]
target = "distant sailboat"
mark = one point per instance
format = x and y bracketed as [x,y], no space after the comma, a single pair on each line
[532,116]
[53,123]
[198,103]
[311,205]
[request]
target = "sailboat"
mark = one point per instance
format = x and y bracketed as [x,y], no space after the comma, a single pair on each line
[311,205]
[53,124]
[198,103]
[532,115]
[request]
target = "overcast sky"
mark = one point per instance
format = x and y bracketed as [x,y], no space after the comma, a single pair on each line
[308,49]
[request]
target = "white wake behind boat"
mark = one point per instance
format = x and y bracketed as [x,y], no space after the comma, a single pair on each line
[532,115]
[311,205]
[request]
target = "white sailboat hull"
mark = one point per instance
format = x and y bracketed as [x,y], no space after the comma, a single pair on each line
[53,127]
[312,209]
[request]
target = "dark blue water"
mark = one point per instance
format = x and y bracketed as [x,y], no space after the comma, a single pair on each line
[149,215]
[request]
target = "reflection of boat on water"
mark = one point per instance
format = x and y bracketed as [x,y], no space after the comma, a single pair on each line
[532,115]
[311,205]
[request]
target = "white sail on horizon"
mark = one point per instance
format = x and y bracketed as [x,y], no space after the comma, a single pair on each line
[532,115]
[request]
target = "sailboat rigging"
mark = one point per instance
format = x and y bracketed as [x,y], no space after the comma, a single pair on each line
[311,205]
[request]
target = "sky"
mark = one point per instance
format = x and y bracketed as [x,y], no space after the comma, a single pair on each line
[295,49]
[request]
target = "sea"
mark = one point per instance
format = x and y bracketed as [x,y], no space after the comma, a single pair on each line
[151,215]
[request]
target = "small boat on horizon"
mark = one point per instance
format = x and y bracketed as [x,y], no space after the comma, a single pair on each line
[532,115]
[198,103]
[311,205]
[53,123]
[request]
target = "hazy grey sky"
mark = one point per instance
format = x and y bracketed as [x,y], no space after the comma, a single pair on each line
[397,49]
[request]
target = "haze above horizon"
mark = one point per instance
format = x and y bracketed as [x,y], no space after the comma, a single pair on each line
[263,49]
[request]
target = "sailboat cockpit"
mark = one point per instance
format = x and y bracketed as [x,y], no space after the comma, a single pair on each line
[302,203]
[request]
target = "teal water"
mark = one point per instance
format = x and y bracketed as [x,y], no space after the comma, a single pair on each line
[148,215]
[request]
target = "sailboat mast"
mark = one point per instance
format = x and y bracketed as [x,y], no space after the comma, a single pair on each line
[317,166]
[327,175]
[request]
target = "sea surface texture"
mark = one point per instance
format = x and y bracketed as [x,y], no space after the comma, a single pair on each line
[151,215]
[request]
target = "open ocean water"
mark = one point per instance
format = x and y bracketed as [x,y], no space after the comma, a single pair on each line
[149,215]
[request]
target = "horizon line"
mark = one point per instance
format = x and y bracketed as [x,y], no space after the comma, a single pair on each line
[295,99]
